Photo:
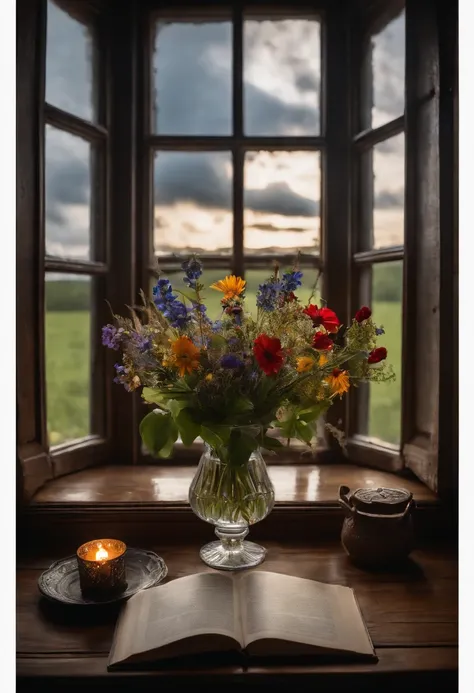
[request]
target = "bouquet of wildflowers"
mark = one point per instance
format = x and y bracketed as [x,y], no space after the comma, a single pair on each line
[232,380]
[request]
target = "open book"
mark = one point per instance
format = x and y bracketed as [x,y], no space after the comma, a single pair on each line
[260,613]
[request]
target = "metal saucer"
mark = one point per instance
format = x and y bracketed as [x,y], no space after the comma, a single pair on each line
[60,582]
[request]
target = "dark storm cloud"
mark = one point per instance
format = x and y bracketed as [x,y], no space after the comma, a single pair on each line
[201,178]
[194,93]
[272,228]
[387,199]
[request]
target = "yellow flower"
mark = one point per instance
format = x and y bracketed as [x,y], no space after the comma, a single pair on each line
[209,376]
[231,286]
[304,364]
[185,355]
[323,359]
[338,381]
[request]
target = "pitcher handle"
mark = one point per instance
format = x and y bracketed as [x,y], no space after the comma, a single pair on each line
[343,500]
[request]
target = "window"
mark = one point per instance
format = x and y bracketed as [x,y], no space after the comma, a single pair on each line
[378,223]
[243,136]
[75,259]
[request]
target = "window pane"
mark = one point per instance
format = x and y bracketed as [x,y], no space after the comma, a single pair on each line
[192,78]
[384,398]
[281,198]
[282,74]
[67,195]
[68,356]
[193,203]
[389,192]
[388,72]
[70,68]
[256,277]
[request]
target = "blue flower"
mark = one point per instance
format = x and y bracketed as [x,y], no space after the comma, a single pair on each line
[267,296]
[231,361]
[111,337]
[291,281]
[120,377]
[193,270]
[165,300]
[379,331]
[217,326]
[141,342]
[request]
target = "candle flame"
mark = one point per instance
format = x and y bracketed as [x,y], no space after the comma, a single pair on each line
[101,554]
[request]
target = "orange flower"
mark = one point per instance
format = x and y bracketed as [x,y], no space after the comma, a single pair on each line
[338,381]
[231,286]
[185,355]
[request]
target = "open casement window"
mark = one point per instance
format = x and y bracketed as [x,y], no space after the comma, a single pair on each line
[402,245]
[70,250]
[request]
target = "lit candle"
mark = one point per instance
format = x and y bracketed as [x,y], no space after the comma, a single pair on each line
[101,564]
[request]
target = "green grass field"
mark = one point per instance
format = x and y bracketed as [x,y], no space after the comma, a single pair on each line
[68,363]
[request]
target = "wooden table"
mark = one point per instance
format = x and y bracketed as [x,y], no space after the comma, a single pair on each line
[411,615]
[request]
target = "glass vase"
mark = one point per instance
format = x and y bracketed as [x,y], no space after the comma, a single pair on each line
[232,498]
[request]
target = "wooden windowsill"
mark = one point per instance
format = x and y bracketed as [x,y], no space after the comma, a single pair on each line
[294,484]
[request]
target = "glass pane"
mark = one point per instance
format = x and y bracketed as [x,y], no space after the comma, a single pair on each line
[281,202]
[256,277]
[193,203]
[68,356]
[282,75]
[70,68]
[384,398]
[67,195]
[389,192]
[192,78]
[388,72]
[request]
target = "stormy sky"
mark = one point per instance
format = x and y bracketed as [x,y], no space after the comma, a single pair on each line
[192,96]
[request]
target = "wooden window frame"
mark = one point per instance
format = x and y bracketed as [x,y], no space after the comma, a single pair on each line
[125,265]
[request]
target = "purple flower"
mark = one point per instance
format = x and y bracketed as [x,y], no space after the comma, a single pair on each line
[120,378]
[291,281]
[268,293]
[193,270]
[231,361]
[216,326]
[379,331]
[142,342]
[111,337]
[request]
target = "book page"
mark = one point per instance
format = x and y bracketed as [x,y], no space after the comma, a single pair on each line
[302,611]
[195,605]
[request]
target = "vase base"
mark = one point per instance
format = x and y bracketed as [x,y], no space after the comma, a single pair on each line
[217,556]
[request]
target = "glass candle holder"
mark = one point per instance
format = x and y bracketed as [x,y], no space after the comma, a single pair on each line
[101,564]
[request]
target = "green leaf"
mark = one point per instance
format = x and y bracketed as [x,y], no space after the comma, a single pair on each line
[304,432]
[167,450]
[218,341]
[153,395]
[270,443]
[175,406]
[215,435]
[155,431]
[189,430]
[238,405]
[312,413]
[241,447]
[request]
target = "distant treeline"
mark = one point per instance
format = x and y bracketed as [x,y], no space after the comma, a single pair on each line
[76,295]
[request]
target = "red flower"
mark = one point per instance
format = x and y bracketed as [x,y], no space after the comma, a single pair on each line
[268,353]
[377,355]
[363,313]
[323,316]
[322,341]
